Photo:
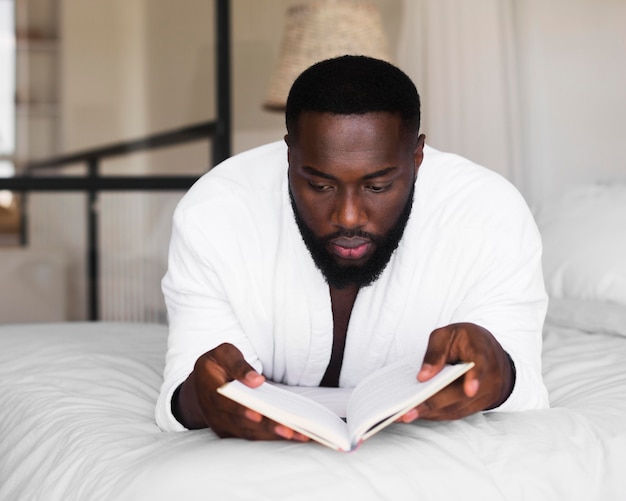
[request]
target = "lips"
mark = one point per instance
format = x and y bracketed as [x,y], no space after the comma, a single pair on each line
[350,248]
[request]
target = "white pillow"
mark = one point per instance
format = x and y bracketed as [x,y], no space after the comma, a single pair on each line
[584,240]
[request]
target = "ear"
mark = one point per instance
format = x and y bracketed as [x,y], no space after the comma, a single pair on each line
[418,155]
[286,138]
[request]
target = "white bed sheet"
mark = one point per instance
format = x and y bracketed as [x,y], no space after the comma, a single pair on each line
[77,422]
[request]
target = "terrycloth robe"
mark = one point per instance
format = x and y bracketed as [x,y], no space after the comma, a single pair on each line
[239,272]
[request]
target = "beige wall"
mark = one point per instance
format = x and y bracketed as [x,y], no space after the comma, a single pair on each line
[133,67]
[103,71]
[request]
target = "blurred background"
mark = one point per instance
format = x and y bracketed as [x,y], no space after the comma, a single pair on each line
[531,89]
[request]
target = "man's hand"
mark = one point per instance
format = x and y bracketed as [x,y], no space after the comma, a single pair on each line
[487,385]
[199,405]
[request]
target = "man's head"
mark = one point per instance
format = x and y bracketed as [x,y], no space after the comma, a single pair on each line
[354,153]
[353,85]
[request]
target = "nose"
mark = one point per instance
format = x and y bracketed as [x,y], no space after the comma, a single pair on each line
[349,212]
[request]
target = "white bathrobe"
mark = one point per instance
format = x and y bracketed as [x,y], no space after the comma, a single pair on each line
[239,272]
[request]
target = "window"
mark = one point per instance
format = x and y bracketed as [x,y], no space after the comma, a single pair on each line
[7,86]
[7,95]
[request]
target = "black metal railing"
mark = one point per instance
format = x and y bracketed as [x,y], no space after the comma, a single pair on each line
[217,131]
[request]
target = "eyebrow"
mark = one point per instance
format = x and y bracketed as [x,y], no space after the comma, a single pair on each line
[372,175]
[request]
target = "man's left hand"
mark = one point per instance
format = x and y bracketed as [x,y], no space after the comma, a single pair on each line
[485,386]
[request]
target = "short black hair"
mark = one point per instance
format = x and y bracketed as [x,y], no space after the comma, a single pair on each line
[353,85]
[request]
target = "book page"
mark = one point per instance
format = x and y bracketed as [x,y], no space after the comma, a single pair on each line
[294,411]
[336,399]
[390,392]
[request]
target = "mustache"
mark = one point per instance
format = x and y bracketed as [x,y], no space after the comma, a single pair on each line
[351,234]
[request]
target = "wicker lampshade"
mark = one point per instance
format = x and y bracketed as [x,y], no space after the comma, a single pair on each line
[320,30]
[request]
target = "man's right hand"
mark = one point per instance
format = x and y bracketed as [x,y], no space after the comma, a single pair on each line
[199,405]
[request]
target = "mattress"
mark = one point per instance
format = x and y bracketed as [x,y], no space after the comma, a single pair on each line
[77,422]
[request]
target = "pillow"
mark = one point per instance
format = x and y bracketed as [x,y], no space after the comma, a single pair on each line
[592,317]
[584,240]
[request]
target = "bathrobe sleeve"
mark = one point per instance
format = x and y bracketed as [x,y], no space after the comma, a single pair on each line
[215,285]
[493,277]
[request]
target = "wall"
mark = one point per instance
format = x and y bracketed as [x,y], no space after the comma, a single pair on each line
[133,67]
[103,71]
[573,64]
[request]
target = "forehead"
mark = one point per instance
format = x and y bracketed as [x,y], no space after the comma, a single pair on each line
[361,129]
[328,135]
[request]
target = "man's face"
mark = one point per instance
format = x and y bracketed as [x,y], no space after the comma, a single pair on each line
[351,180]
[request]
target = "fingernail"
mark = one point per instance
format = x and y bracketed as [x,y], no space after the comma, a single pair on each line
[252,377]
[410,416]
[425,371]
[472,387]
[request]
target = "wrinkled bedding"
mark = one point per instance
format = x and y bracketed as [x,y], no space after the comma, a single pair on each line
[77,422]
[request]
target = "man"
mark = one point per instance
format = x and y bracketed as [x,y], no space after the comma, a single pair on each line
[350,245]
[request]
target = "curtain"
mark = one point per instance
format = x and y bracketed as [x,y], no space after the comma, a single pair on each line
[531,89]
[462,57]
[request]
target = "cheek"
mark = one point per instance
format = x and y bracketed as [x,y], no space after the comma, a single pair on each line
[384,212]
[383,217]
[316,212]
[312,210]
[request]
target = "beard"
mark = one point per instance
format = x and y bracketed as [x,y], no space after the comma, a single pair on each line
[340,276]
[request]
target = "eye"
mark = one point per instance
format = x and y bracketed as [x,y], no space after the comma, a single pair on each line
[320,187]
[378,188]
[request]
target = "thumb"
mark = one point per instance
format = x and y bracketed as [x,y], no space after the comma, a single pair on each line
[236,366]
[437,353]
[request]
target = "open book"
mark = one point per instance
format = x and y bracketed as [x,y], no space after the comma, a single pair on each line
[377,401]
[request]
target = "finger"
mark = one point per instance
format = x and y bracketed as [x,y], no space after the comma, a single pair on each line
[236,366]
[288,434]
[251,431]
[281,430]
[253,379]
[409,417]
[451,404]
[426,372]
[449,412]
[437,352]
[237,423]
[299,437]
[253,415]
[450,397]
[266,427]
[455,410]
[471,383]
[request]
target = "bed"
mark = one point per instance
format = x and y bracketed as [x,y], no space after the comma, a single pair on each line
[77,407]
